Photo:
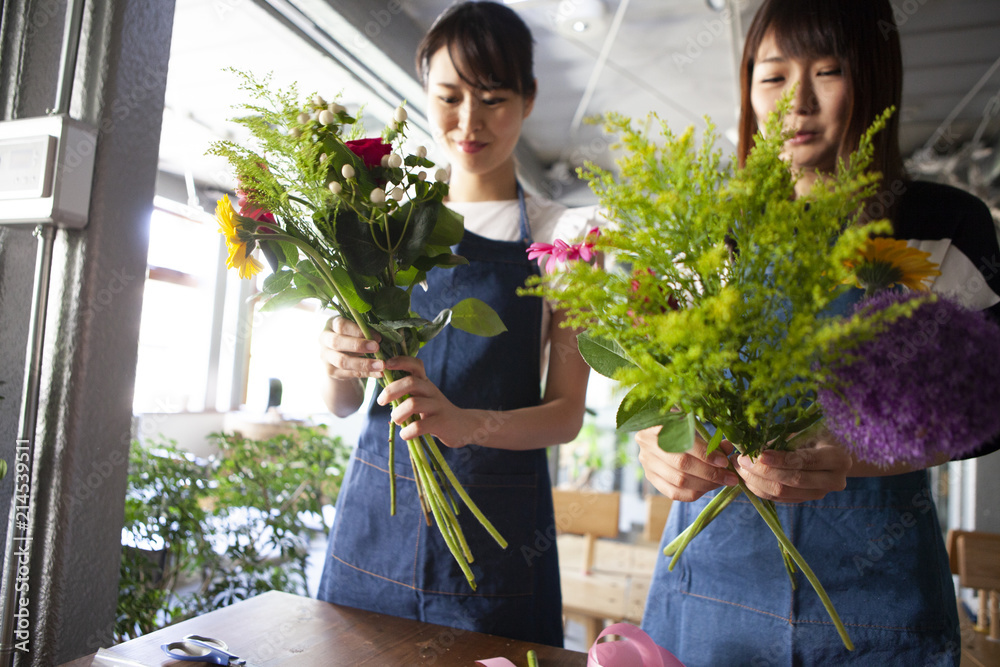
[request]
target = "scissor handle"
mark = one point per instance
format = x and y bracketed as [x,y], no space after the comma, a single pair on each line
[200,651]
[211,641]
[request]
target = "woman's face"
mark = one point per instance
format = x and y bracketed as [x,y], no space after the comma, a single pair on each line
[478,129]
[819,110]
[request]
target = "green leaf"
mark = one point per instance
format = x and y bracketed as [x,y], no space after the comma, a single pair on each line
[354,236]
[410,243]
[635,414]
[290,250]
[410,276]
[338,155]
[391,303]
[477,318]
[276,282]
[432,329]
[449,228]
[414,161]
[446,259]
[345,286]
[716,440]
[285,299]
[677,434]
[405,323]
[604,355]
[388,332]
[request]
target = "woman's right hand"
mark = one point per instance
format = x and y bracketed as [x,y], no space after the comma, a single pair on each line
[343,348]
[686,476]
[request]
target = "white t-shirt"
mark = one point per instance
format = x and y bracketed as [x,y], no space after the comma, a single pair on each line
[500,221]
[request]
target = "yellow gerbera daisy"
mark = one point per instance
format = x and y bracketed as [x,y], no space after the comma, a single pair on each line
[240,256]
[885,262]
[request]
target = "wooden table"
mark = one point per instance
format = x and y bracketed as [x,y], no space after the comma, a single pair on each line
[284,630]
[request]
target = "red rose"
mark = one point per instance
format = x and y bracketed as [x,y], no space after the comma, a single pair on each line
[250,210]
[246,193]
[371,151]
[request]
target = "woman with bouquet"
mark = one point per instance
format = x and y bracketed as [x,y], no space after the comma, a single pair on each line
[871,533]
[481,397]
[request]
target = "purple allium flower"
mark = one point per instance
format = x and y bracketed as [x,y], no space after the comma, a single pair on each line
[929,384]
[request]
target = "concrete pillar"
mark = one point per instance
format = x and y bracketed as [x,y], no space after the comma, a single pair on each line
[83,428]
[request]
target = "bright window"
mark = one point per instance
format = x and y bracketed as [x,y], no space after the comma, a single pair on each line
[178,311]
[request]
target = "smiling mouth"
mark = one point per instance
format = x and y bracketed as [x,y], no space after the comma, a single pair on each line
[471,146]
[803,137]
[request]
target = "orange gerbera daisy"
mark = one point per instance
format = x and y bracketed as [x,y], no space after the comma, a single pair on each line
[239,251]
[885,262]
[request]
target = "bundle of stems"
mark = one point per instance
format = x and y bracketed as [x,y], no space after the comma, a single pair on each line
[767,511]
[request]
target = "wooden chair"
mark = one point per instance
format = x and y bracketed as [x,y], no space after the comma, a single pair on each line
[592,514]
[587,598]
[975,557]
[657,512]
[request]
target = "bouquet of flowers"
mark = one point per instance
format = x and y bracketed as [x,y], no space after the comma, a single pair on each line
[355,223]
[720,307]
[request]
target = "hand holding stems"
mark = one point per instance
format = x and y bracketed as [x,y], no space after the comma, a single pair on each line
[345,353]
[816,467]
[685,476]
[809,472]
[420,407]
[423,410]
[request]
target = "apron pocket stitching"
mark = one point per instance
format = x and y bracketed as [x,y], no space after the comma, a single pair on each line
[736,604]
[475,595]
[373,574]
[380,469]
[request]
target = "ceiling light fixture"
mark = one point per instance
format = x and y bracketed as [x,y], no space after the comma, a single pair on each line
[579,17]
[717,5]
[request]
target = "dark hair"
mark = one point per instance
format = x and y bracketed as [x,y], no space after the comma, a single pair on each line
[863,36]
[489,44]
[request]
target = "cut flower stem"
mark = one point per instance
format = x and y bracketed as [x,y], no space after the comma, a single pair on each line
[771,520]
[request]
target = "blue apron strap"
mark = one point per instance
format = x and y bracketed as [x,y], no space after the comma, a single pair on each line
[525,228]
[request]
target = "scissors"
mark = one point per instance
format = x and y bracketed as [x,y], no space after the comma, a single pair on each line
[202,649]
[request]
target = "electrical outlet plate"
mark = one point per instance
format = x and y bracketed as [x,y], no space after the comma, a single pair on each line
[46,171]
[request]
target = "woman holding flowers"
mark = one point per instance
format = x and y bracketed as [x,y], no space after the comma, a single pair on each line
[870,532]
[481,397]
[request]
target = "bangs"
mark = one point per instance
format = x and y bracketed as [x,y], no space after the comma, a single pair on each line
[814,30]
[480,62]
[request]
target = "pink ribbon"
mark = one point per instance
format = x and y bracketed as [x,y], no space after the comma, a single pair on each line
[637,650]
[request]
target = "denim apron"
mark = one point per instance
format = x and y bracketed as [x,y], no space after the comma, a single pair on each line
[398,564]
[877,549]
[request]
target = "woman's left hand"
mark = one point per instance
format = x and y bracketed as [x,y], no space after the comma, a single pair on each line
[438,416]
[809,472]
